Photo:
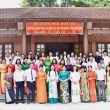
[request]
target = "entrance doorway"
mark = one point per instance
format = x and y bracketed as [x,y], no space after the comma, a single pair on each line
[60,47]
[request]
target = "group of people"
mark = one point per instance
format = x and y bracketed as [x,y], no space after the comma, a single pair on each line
[55,78]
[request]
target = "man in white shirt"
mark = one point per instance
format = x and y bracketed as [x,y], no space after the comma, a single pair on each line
[30,82]
[106,57]
[19,83]
[101,82]
[92,63]
[16,57]
[8,57]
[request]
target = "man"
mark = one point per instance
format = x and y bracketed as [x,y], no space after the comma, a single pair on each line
[92,63]
[16,57]
[30,82]
[8,56]
[97,57]
[101,82]
[19,83]
[11,65]
[106,57]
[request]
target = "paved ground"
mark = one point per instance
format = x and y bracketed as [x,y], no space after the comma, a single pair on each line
[70,106]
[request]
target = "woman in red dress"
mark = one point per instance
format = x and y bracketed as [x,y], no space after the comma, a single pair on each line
[92,85]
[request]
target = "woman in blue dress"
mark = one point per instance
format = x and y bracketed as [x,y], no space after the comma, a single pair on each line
[64,88]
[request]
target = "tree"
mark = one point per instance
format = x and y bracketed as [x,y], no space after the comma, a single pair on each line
[39,3]
[66,3]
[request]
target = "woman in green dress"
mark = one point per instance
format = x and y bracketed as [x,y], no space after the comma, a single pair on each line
[64,87]
[25,65]
[84,85]
[47,65]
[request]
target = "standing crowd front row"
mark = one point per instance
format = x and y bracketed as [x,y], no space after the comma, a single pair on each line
[60,78]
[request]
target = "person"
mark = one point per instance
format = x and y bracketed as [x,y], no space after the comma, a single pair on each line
[57,56]
[35,66]
[84,63]
[52,78]
[17,56]
[92,84]
[64,88]
[8,56]
[106,57]
[37,60]
[68,66]
[25,65]
[72,59]
[29,59]
[75,86]
[3,70]
[19,84]
[103,64]
[30,82]
[42,57]
[84,85]
[97,57]
[11,65]
[41,96]
[92,63]
[108,83]
[18,61]
[101,82]
[51,56]
[9,90]
[22,58]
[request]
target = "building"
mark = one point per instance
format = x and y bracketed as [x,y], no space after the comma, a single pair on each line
[54,29]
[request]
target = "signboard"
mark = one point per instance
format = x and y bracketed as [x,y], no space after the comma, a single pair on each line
[54,28]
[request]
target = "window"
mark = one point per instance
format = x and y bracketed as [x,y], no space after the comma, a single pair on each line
[4,48]
[40,47]
[104,46]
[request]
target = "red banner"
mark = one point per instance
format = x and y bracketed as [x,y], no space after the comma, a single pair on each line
[54,28]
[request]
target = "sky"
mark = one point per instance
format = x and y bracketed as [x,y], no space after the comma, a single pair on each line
[12,3]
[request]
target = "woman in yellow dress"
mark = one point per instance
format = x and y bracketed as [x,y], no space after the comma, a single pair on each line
[3,70]
[41,96]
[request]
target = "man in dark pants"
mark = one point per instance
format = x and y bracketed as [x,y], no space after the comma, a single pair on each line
[30,82]
[101,82]
[19,83]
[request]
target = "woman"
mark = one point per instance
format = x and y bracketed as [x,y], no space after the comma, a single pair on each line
[92,85]
[35,66]
[18,61]
[25,65]
[75,86]
[54,62]
[53,79]
[84,63]
[9,94]
[37,60]
[41,96]
[3,70]
[108,83]
[29,59]
[64,88]
[84,85]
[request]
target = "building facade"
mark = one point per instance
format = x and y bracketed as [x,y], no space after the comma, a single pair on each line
[54,29]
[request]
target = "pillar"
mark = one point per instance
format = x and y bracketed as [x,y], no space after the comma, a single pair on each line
[85,39]
[24,41]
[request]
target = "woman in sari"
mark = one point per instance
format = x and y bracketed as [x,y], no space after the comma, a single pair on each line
[41,96]
[47,64]
[108,83]
[75,86]
[64,88]
[9,91]
[92,85]
[84,85]
[25,65]
[3,70]
[52,78]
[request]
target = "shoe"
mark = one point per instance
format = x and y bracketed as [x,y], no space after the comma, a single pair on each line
[22,102]
[17,102]
[33,102]
[28,102]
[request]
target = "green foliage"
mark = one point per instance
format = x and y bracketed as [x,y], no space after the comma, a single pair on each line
[66,3]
